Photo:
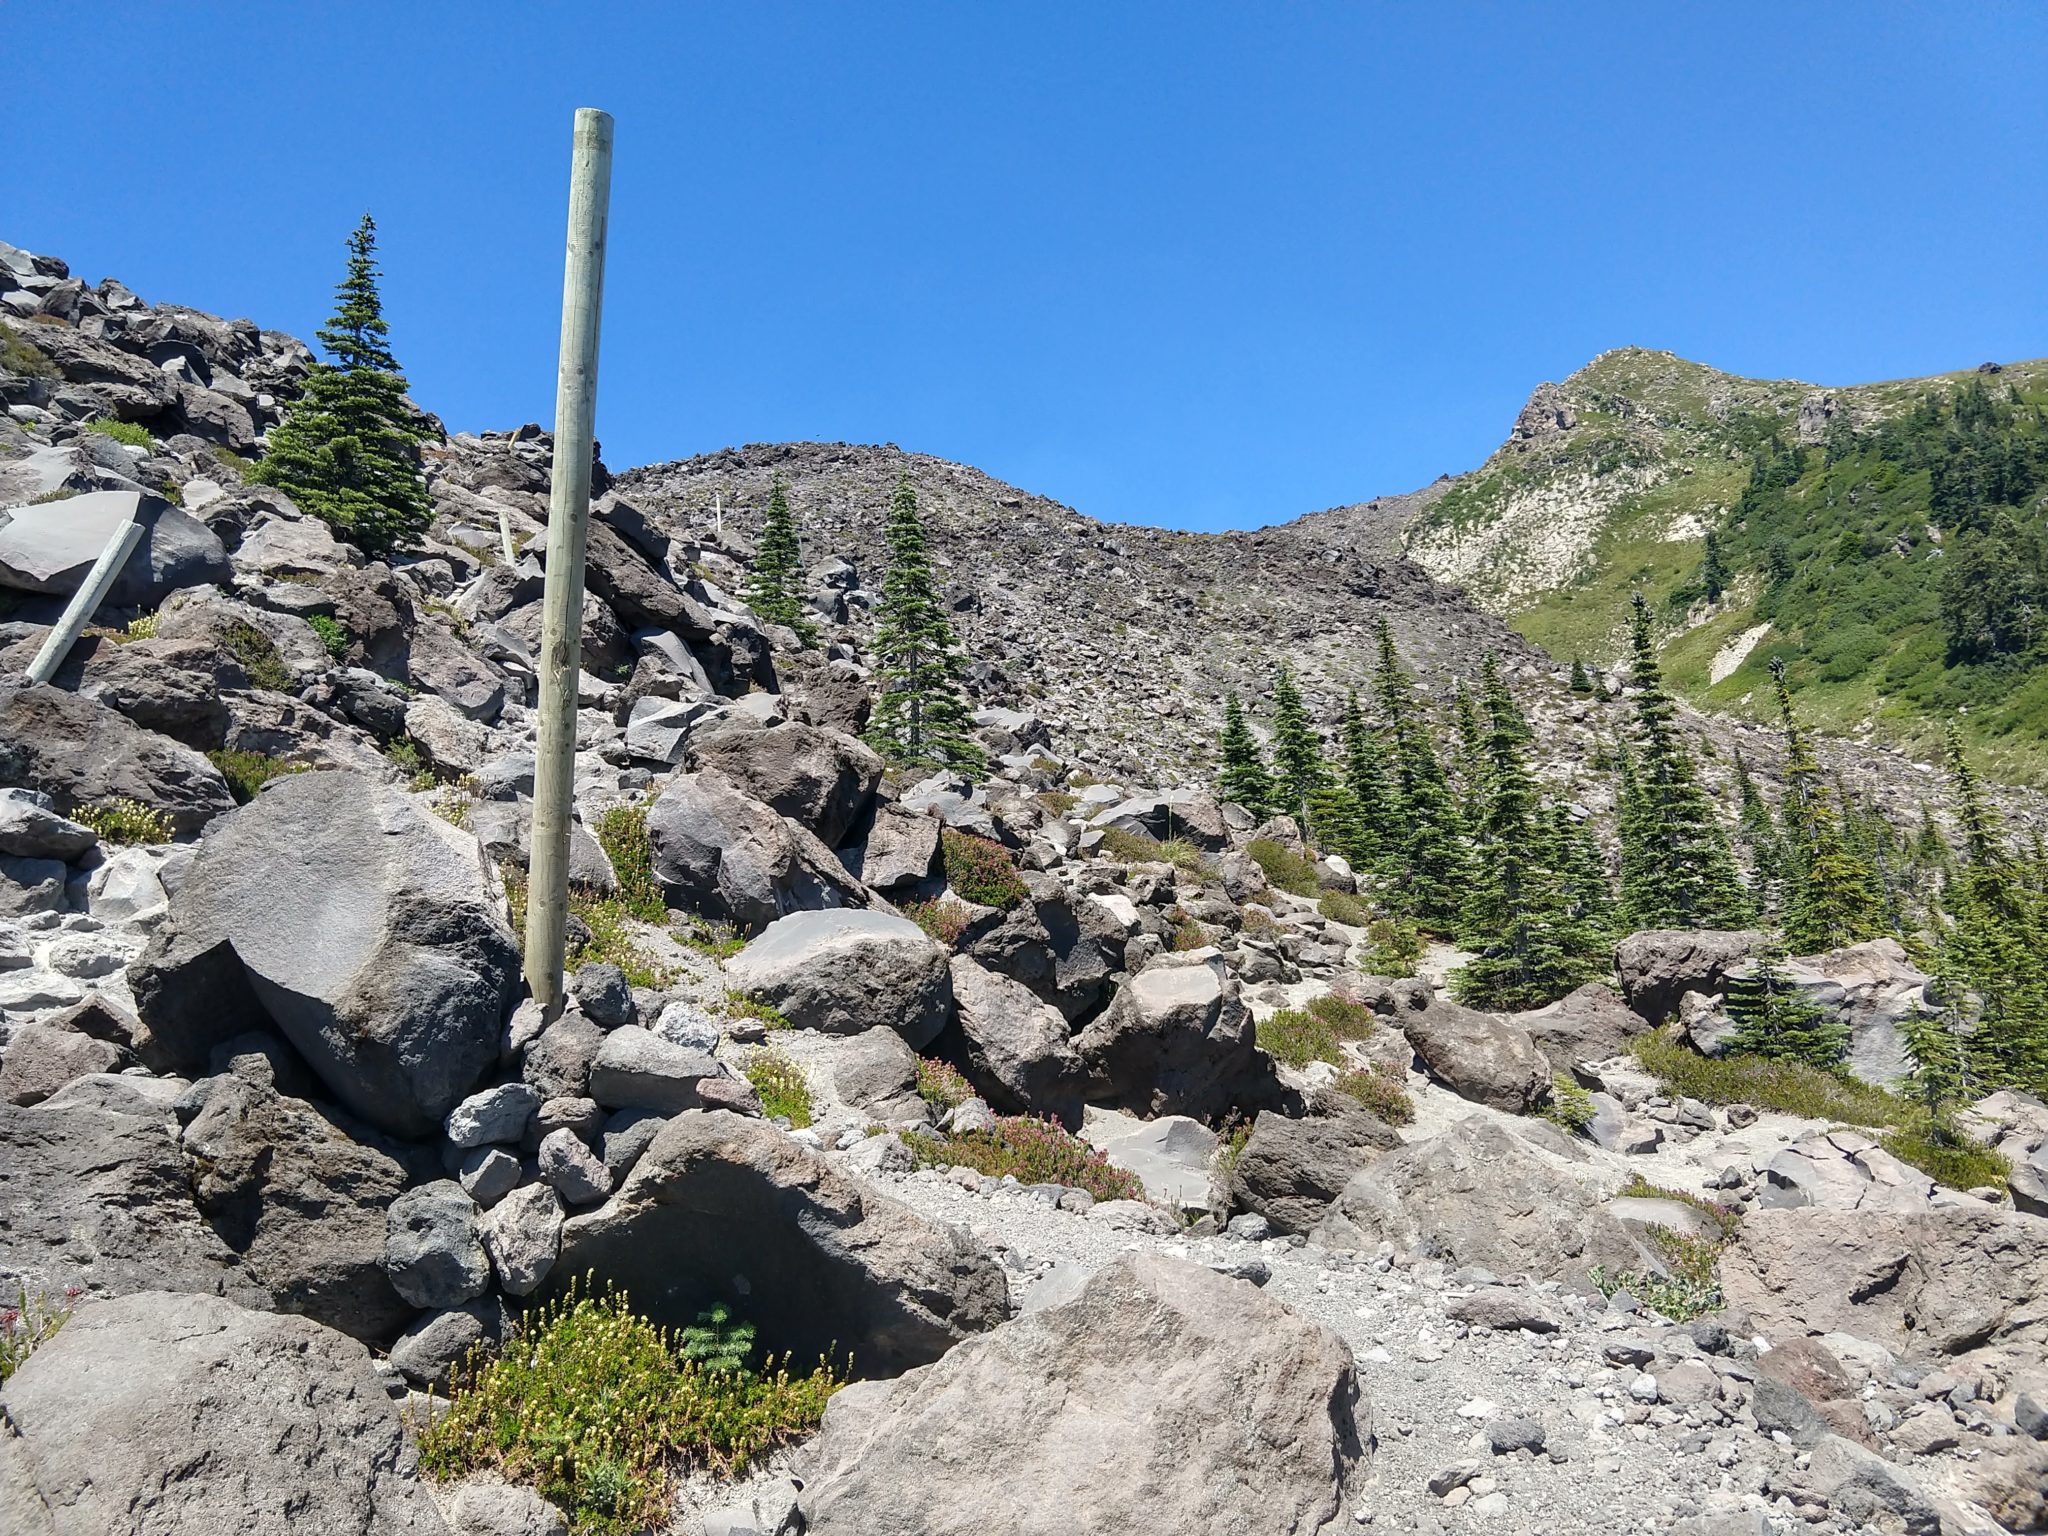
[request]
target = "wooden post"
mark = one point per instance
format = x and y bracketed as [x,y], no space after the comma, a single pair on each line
[561,642]
[86,600]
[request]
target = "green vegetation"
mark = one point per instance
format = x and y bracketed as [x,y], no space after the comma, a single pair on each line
[1777,1021]
[30,1323]
[775,585]
[247,772]
[124,822]
[1393,947]
[258,655]
[595,1407]
[1791,1087]
[1243,779]
[739,1006]
[1033,1151]
[980,871]
[1315,1031]
[708,936]
[1832,898]
[1570,1107]
[330,633]
[1380,1089]
[130,433]
[921,719]
[780,1083]
[606,921]
[1284,869]
[23,357]
[1343,907]
[945,921]
[348,448]
[1693,1287]
[941,1084]
[622,833]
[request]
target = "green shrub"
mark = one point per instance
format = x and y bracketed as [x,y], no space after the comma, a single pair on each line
[622,833]
[980,871]
[123,822]
[408,759]
[780,1083]
[945,921]
[1693,1288]
[1393,947]
[1297,1037]
[1343,907]
[1284,869]
[1787,1086]
[258,656]
[1947,1156]
[1570,1107]
[331,634]
[1230,1140]
[608,923]
[18,356]
[1380,1089]
[1725,1218]
[740,1006]
[713,937]
[1351,1019]
[1187,933]
[940,1084]
[122,432]
[1132,847]
[247,772]
[1259,923]
[1057,802]
[28,1324]
[1183,855]
[592,1404]
[1034,1151]
[141,627]
[228,459]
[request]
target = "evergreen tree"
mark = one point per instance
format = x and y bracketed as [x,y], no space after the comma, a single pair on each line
[347,450]
[1832,898]
[1939,1043]
[1713,569]
[775,585]
[1581,872]
[1758,835]
[1581,683]
[1243,778]
[1679,872]
[1365,775]
[1530,949]
[1471,761]
[1774,1018]
[1298,770]
[1430,860]
[921,719]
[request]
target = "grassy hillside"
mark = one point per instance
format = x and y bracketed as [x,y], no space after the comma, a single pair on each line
[1837,515]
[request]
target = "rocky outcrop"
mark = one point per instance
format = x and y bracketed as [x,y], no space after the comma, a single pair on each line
[721,1209]
[50,548]
[1265,1427]
[844,971]
[718,850]
[1588,1025]
[1176,1040]
[1658,966]
[1018,1052]
[820,779]
[1290,1170]
[81,753]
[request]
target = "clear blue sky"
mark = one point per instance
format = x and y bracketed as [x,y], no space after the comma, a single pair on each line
[1193,264]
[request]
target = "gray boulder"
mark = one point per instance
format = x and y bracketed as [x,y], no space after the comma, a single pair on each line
[81,753]
[495,1115]
[40,1060]
[162,1412]
[900,851]
[51,547]
[1659,966]
[1478,1056]
[434,1251]
[366,927]
[720,1208]
[31,829]
[637,1069]
[719,851]
[1058,1421]
[1175,1040]
[503,1509]
[1173,1155]
[875,1073]
[428,1352]
[1842,1170]
[1181,815]
[1588,1025]
[1018,1053]
[819,779]
[847,970]
[1477,1195]
[1290,1170]
[572,1169]
[522,1234]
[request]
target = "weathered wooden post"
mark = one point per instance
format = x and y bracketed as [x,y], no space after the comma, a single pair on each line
[561,643]
[86,600]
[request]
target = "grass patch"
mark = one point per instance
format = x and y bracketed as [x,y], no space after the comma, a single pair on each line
[739,1006]
[1343,907]
[49,497]
[711,936]
[1380,1089]
[18,356]
[258,656]
[780,1083]
[141,627]
[1284,869]
[124,822]
[1570,1108]
[980,871]
[331,634]
[247,772]
[608,923]
[1947,1156]
[1259,923]
[941,1085]
[1035,1151]
[1186,933]
[1142,848]
[944,921]
[1057,802]
[1725,1218]
[1785,1086]
[408,759]
[595,1407]
[27,1325]
[122,432]
[622,833]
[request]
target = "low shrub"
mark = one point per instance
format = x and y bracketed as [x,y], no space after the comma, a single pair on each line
[622,833]
[1187,933]
[1183,855]
[408,759]
[780,1083]
[1297,1037]
[1693,1287]
[1230,1139]
[258,656]
[1057,802]
[1351,1019]
[1725,1218]
[1393,947]
[713,937]
[1787,1086]
[1380,1089]
[1947,1156]
[606,921]
[739,1006]
[19,356]
[128,432]
[30,1323]
[1259,923]
[1570,1107]
[141,627]
[331,634]
[1284,869]
[123,822]
[247,772]
[1035,1151]
[941,1084]
[945,921]
[595,1406]
[1133,847]
[1343,907]
[980,871]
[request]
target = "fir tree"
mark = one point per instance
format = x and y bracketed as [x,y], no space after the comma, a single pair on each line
[1243,778]
[1832,899]
[775,585]
[347,450]
[921,719]
[1365,775]
[1581,872]
[1679,872]
[1298,770]
[1430,860]
[1581,683]
[1775,1019]
[1757,833]
[1471,761]
[1713,569]
[1938,1042]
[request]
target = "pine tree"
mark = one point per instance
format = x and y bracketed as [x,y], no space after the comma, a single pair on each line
[1581,683]
[1757,834]
[347,450]
[921,719]
[1243,778]
[1713,570]
[1679,873]
[1365,775]
[1939,1042]
[1581,872]
[775,585]
[1298,770]
[1775,1019]
[1530,950]
[1430,861]
[1470,764]
[1832,898]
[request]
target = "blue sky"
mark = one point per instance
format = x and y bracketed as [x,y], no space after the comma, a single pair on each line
[1190,264]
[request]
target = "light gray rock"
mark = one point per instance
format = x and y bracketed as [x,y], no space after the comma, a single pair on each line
[487,1174]
[495,1115]
[427,1352]
[434,1252]
[720,1208]
[1842,1170]
[1175,1040]
[1018,1051]
[576,1172]
[719,851]
[365,926]
[845,970]
[32,885]
[1172,1154]
[768,1511]
[1505,1308]
[900,851]
[288,1420]
[503,1509]
[637,1069]
[1588,1025]
[1862,1486]
[1266,1428]
[522,1233]
[50,548]
[875,1073]
[602,993]
[40,1060]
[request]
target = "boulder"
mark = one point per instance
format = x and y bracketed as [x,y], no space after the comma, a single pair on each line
[522,1234]
[172,687]
[1173,1155]
[1475,1194]
[1018,1054]
[1182,815]
[503,1509]
[1175,1040]
[31,829]
[428,1351]
[434,1249]
[900,851]
[366,927]
[1164,1399]
[1506,1309]
[162,1412]
[1290,1170]
[1659,966]
[50,548]
[95,1195]
[81,753]
[819,779]
[1478,1056]
[718,851]
[495,1115]
[1063,954]
[40,1060]
[1842,1170]
[721,1208]
[845,970]
[1876,989]
[875,1073]
[302,1201]
[637,1069]
[1588,1025]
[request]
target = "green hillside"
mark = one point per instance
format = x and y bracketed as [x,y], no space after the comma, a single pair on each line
[1888,540]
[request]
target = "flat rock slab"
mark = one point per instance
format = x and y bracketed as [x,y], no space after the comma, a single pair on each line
[50,548]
